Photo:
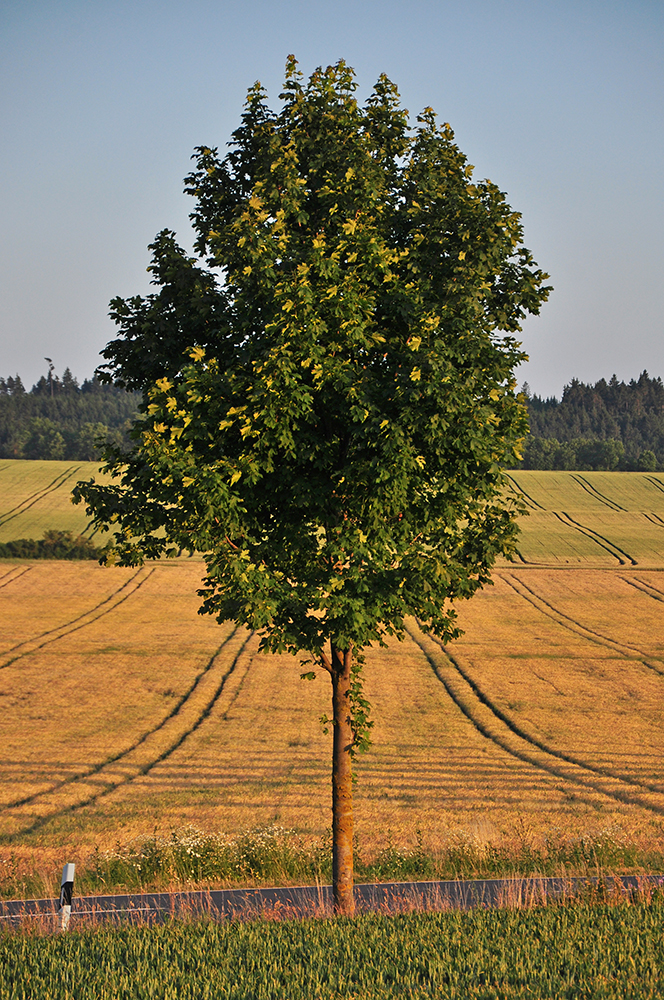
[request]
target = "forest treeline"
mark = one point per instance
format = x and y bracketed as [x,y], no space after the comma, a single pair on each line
[608,425]
[60,419]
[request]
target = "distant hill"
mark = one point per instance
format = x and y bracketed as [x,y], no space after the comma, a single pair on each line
[59,419]
[605,426]
[608,425]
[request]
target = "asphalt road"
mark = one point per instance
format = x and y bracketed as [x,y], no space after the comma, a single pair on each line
[311,901]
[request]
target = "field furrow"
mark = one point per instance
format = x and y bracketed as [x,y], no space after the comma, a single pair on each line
[601,540]
[645,587]
[33,498]
[36,497]
[186,702]
[122,594]
[13,574]
[494,726]
[520,491]
[151,749]
[656,483]
[519,730]
[594,492]
[566,621]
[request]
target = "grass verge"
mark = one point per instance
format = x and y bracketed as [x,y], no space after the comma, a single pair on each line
[192,859]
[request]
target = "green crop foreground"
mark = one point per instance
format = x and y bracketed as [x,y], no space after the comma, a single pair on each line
[586,950]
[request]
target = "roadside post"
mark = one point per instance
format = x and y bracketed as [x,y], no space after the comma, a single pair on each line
[66,893]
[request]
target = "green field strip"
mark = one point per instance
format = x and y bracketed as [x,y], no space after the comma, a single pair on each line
[632,491]
[596,493]
[97,768]
[34,498]
[519,731]
[129,770]
[119,596]
[485,721]
[595,536]
[565,621]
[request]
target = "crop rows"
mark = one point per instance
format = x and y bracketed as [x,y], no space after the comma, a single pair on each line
[125,710]
[238,743]
[36,496]
[582,951]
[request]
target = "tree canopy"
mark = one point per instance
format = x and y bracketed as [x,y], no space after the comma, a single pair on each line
[329,385]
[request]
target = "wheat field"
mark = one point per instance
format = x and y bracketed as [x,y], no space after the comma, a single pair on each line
[123,710]
[36,497]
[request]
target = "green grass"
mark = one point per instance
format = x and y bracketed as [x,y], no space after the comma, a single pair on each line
[584,950]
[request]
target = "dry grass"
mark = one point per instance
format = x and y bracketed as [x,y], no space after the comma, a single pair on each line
[132,722]
[125,711]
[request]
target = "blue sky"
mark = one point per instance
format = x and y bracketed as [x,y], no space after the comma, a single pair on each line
[559,103]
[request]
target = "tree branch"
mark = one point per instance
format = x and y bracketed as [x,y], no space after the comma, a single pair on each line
[325,663]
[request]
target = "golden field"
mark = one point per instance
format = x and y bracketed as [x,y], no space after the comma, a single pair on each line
[123,710]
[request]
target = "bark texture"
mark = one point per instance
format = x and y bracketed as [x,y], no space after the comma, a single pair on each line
[342,785]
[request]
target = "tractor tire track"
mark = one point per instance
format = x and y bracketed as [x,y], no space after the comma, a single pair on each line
[15,573]
[654,519]
[529,738]
[97,768]
[129,770]
[485,720]
[565,621]
[127,590]
[534,505]
[594,492]
[594,536]
[655,482]
[645,588]
[38,495]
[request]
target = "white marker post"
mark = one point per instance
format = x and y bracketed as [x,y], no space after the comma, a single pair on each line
[66,892]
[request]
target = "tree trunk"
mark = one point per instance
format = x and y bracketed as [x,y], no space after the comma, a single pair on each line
[342,785]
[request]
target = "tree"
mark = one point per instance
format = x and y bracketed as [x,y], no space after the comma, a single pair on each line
[43,440]
[328,399]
